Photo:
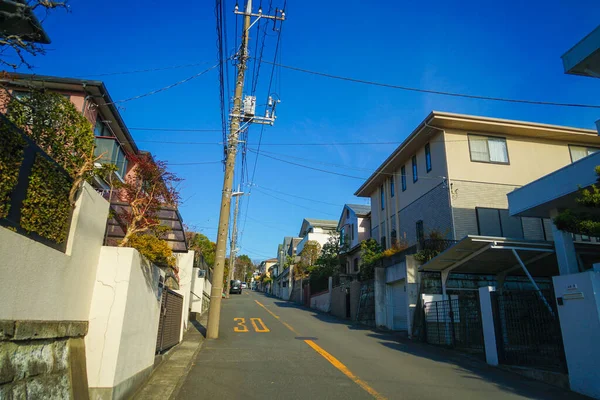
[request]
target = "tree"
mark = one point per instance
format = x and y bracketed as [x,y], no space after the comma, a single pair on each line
[18,43]
[309,255]
[203,247]
[243,264]
[586,221]
[330,259]
[146,190]
[370,254]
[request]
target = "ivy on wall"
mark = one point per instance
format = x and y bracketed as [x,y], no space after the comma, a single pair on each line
[12,147]
[46,209]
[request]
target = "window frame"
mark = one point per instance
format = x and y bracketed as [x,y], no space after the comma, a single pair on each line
[586,147]
[415,169]
[487,137]
[403,177]
[428,165]
[392,187]
[420,230]
[382,196]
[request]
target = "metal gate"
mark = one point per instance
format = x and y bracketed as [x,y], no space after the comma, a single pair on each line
[455,323]
[169,326]
[366,306]
[528,330]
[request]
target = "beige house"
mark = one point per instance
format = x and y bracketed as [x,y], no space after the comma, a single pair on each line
[354,226]
[453,172]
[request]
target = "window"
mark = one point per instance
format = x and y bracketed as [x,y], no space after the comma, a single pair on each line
[427,157]
[497,222]
[488,149]
[414,166]
[356,265]
[347,213]
[394,236]
[342,236]
[101,129]
[392,189]
[112,153]
[352,230]
[383,243]
[403,173]
[579,152]
[585,238]
[420,231]
[382,197]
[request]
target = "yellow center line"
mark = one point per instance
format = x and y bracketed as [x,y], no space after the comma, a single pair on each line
[332,360]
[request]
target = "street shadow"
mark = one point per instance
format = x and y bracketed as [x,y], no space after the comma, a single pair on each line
[200,327]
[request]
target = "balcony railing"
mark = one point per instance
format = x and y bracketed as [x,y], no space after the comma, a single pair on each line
[437,245]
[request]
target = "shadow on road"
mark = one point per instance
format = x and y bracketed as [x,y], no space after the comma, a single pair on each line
[469,366]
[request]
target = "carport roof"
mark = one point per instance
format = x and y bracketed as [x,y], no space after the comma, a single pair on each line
[494,255]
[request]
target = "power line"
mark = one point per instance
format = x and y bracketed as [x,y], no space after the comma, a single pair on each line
[294,204]
[438,92]
[146,70]
[195,163]
[299,197]
[175,130]
[165,88]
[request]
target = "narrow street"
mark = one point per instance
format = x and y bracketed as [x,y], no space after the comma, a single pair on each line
[269,348]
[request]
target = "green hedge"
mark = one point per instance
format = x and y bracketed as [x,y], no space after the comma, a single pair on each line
[12,148]
[46,209]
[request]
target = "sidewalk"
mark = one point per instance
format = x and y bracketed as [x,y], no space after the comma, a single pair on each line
[166,380]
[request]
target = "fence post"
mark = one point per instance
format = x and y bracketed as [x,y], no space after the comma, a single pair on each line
[487,323]
[452,326]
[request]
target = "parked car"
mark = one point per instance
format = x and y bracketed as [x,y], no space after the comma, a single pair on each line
[244,286]
[235,287]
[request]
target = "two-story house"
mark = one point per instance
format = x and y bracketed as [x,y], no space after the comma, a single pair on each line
[319,230]
[113,141]
[451,176]
[354,226]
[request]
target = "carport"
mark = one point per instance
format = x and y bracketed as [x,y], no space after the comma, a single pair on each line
[496,256]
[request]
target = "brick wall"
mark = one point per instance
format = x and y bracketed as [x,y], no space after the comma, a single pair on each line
[433,209]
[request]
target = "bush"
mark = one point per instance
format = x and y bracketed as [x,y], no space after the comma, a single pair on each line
[154,249]
[46,209]
[12,147]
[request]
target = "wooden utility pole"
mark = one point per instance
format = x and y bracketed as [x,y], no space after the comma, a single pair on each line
[238,115]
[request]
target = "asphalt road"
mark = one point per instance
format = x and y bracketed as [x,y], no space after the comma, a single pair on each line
[271,349]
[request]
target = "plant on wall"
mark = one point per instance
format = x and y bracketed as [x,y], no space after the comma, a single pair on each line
[435,245]
[586,221]
[55,125]
[147,189]
[370,255]
[12,147]
[309,255]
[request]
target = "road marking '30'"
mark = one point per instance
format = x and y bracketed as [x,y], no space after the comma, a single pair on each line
[257,323]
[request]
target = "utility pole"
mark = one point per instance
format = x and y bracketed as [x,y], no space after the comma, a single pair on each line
[232,249]
[238,115]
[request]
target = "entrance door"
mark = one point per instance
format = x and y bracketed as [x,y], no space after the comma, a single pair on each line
[398,305]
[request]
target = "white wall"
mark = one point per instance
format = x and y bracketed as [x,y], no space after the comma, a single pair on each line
[580,325]
[40,283]
[185,263]
[124,320]
[197,288]
[321,302]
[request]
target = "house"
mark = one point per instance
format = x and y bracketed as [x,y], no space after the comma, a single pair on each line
[318,230]
[578,266]
[283,281]
[354,226]
[113,142]
[451,177]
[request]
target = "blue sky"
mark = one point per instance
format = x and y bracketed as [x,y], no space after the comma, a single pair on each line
[495,48]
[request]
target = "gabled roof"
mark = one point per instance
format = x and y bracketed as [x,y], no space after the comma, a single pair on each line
[317,223]
[360,210]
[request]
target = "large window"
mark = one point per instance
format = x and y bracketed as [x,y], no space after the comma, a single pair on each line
[488,149]
[414,167]
[392,188]
[356,265]
[420,231]
[403,173]
[382,195]
[579,152]
[498,223]
[101,129]
[428,157]
[112,153]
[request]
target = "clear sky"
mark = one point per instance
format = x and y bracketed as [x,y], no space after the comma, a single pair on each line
[508,48]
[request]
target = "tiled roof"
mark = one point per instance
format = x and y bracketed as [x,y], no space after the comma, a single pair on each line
[360,209]
[322,223]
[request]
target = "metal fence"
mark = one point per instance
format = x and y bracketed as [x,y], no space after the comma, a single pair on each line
[169,326]
[528,330]
[455,323]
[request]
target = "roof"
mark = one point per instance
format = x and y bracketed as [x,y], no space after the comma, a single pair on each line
[584,57]
[322,223]
[93,88]
[360,209]
[17,18]
[438,121]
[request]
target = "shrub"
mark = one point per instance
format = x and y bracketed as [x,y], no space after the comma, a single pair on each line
[154,249]
[12,147]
